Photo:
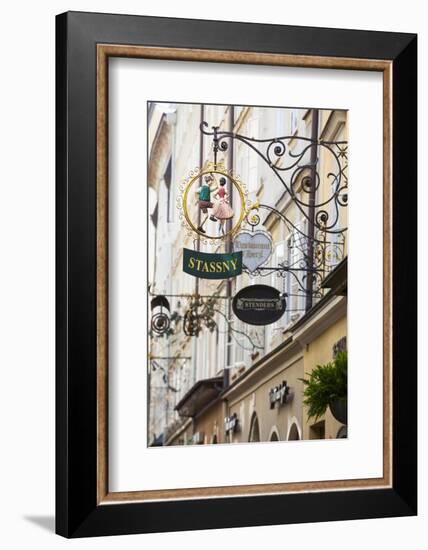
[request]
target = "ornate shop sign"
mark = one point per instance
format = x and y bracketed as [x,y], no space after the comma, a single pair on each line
[279,394]
[259,305]
[221,203]
[231,424]
[256,248]
[212,266]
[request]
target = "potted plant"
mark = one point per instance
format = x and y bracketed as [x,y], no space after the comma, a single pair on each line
[327,386]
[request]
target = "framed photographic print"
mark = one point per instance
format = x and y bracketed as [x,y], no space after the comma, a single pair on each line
[236,274]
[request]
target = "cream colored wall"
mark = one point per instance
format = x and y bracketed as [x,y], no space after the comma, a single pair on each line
[328,165]
[210,423]
[256,400]
[319,352]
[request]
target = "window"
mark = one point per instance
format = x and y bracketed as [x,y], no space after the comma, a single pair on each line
[279,258]
[242,338]
[297,244]
[237,111]
[294,433]
[293,120]
[167,180]
[274,436]
[317,431]
[254,429]
[335,248]
[253,159]
[342,433]
[280,123]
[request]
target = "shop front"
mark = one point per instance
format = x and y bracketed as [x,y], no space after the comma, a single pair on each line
[208,424]
[265,404]
[201,412]
[321,340]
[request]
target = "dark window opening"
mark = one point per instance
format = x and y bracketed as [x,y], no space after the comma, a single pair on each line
[274,437]
[317,431]
[254,430]
[167,179]
[294,433]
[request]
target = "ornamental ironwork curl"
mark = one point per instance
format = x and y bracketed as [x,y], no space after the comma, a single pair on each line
[293,169]
[160,323]
[327,250]
[201,313]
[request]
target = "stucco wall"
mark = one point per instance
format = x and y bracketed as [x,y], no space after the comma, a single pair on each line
[319,352]
[256,401]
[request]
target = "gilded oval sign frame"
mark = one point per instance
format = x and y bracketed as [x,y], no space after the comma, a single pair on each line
[186,187]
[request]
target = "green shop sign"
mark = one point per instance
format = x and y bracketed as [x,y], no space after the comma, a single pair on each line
[212,266]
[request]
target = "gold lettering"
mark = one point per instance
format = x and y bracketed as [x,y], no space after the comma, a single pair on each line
[233,262]
[192,262]
[226,266]
[218,267]
[198,264]
[212,267]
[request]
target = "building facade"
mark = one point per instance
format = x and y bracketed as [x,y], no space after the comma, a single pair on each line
[235,382]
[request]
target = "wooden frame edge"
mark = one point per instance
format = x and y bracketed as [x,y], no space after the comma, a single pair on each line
[102,275]
[248,58]
[104,51]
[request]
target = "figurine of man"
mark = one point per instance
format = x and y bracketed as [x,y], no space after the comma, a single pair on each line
[204,199]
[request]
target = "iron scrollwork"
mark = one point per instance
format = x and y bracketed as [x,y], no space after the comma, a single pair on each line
[296,173]
[327,250]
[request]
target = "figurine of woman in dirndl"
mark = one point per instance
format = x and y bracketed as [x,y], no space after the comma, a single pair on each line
[222,209]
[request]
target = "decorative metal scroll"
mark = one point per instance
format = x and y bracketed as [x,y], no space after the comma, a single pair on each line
[160,322]
[300,178]
[328,250]
[200,313]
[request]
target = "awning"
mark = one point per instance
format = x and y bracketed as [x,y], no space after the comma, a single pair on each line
[337,279]
[199,396]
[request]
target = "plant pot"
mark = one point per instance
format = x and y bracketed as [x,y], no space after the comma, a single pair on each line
[339,409]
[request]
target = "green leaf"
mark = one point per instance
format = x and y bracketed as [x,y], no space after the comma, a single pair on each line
[326,383]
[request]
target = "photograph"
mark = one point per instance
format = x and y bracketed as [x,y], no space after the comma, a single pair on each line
[247,273]
[213,270]
[220,361]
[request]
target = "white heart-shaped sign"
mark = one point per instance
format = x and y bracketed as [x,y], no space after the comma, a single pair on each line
[256,248]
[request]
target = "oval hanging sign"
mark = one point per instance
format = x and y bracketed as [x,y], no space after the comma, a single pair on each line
[259,305]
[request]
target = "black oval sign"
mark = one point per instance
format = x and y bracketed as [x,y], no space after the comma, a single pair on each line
[259,305]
